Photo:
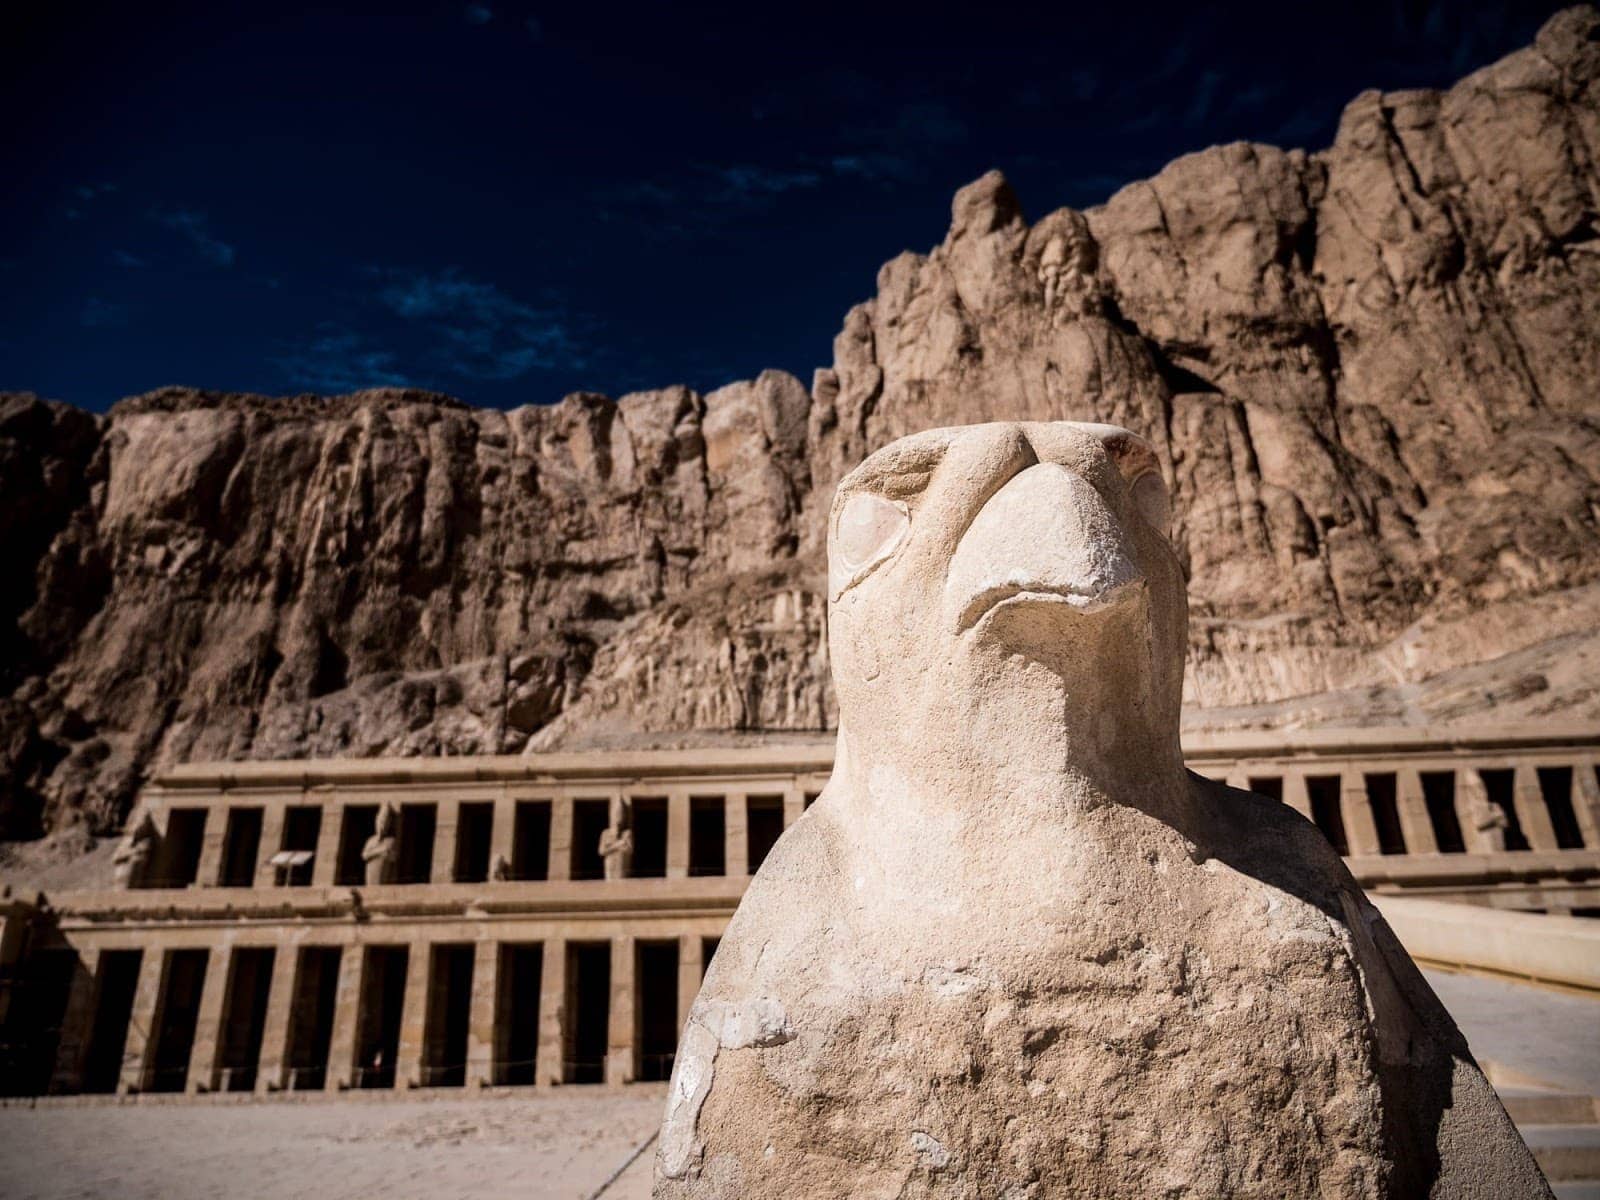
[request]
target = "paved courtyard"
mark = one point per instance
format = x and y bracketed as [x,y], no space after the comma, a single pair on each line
[563,1144]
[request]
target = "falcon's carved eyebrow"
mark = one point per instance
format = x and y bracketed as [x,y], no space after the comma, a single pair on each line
[899,471]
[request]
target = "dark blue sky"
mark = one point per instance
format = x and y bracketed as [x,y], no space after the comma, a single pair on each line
[509,201]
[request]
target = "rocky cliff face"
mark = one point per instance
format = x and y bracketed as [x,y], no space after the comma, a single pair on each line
[1371,373]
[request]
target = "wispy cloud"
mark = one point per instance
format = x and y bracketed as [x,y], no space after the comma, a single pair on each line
[81,196]
[1205,97]
[479,331]
[132,262]
[195,228]
[336,359]
[478,14]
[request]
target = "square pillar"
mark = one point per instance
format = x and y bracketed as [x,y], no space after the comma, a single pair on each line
[447,822]
[413,1016]
[503,835]
[208,1021]
[552,1012]
[325,867]
[794,805]
[691,966]
[275,1028]
[1295,794]
[1473,811]
[1532,811]
[735,836]
[1360,830]
[209,871]
[1586,803]
[481,1021]
[678,835]
[560,838]
[142,1020]
[77,1024]
[346,1013]
[620,1067]
[271,843]
[1415,824]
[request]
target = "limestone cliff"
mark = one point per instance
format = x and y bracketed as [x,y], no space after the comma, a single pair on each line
[1371,373]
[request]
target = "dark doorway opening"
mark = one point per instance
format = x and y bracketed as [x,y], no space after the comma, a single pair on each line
[302,825]
[588,1012]
[530,840]
[1270,786]
[763,828]
[650,838]
[316,991]
[474,831]
[708,836]
[360,823]
[119,978]
[241,847]
[517,1018]
[1323,793]
[1501,788]
[244,1019]
[656,1021]
[1381,793]
[590,818]
[418,823]
[31,1032]
[1439,794]
[810,799]
[708,951]
[383,995]
[444,1042]
[1555,783]
[183,977]
[178,860]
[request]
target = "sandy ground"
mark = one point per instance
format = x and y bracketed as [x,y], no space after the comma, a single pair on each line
[563,1144]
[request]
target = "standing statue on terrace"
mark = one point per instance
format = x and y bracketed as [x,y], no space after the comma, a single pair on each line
[138,843]
[1016,949]
[381,851]
[616,843]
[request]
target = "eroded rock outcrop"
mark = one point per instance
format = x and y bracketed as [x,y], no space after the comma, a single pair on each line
[1369,372]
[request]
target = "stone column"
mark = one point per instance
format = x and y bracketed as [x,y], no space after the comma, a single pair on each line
[1533,812]
[346,1017]
[413,1016]
[1295,794]
[552,1013]
[691,966]
[208,1022]
[678,835]
[736,836]
[447,822]
[620,1067]
[794,805]
[482,1030]
[503,836]
[141,1043]
[325,866]
[209,871]
[1360,830]
[1586,802]
[271,842]
[77,1024]
[560,838]
[1412,805]
[275,1028]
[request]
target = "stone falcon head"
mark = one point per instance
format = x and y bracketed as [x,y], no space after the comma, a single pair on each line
[1006,592]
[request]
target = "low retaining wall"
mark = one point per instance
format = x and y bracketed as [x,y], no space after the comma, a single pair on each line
[1551,949]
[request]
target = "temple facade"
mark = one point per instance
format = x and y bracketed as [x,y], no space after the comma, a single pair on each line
[546,920]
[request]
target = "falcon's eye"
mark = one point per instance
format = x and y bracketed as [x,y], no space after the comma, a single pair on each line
[1151,499]
[870,527]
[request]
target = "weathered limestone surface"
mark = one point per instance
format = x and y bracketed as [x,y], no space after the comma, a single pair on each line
[1369,374]
[1015,949]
